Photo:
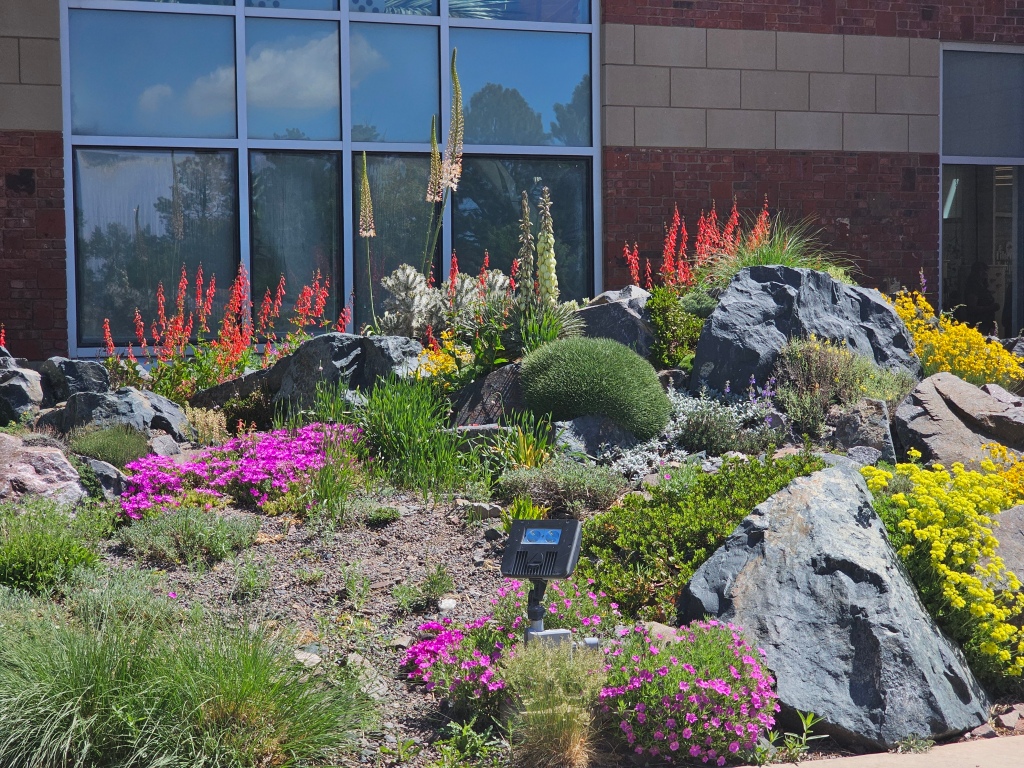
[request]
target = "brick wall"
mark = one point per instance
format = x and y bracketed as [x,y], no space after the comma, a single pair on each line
[881,209]
[1000,21]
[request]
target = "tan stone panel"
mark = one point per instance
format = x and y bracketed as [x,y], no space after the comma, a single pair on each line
[809,52]
[30,18]
[876,55]
[706,88]
[40,61]
[907,95]
[775,90]
[30,108]
[741,49]
[9,60]
[669,127]
[808,130]
[924,57]
[616,43]
[924,133]
[741,129]
[636,86]
[842,93]
[617,128]
[875,133]
[671,46]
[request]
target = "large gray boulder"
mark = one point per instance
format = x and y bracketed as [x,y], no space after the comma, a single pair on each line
[1010,533]
[332,358]
[490,400]
[141,409]
[63,378]
[865,423]
[620,315]
[811,577]
[37,471]
[764,307]
[948,419]
[21,392]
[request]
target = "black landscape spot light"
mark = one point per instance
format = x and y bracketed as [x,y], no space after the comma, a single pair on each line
[542,551]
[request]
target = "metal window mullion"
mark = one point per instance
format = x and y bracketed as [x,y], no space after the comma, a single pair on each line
[71,280]
[446,108]
[152,142]
[151,7]
[277,13]
[519,26]
[595,145]
[346,204]
[242,122]
[392,18]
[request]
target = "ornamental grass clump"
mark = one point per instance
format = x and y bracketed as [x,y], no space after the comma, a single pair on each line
[700,694]
[944,344]
[942,529]
[595,377]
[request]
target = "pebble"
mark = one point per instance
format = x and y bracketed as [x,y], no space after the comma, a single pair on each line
[402,641]
[478,558]
[493,534]
[447,605]
[985,731]
[308,660]
[1009,719]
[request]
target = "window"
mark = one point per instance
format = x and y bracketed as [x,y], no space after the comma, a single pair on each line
[223,133]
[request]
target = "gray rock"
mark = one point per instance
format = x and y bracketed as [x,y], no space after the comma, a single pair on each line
[673,378]
[1014,346]
[5,354]
[1002,395]
[37,471]
[586,434]
[764,307]
[21,393]
[493,534]
[1010,534]
[63,378]
[863,455]
[306,659]
[949,420]
[812,579]
[490,400]
[140,409]
[164,445]
[112,480]
[620,315]
[864,423]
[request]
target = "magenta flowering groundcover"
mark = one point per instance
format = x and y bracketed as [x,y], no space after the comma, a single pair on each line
[249,470]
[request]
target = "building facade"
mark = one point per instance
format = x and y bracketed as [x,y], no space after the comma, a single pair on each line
[139,137]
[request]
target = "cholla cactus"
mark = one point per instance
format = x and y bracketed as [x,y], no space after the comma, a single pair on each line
[412,306]
[546,276]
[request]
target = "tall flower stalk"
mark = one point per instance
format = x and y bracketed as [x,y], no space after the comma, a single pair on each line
[445,171]
[367,229]
[546,275]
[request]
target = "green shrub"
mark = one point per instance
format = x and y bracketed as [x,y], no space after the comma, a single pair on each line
[252,579]
[115,445]
[675,330]
[521,508]
[562,484]
[424,594]
[707,424]
[40,545]
[699,302]
[405,431]
[87,477]
[600,377]
[189,536]
[643,552]
[382,516]
[255,408]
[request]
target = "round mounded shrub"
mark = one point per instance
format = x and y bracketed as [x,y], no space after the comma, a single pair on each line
[595,377]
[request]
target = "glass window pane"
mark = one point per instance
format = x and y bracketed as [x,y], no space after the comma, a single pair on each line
[295,222]
[983,104]
[302,5]
[486,214]
[292,80]
[193,2]
[409,7]
[564,11]
[139,216]
[525,87]
[152,74]
[398,187]
[395,86]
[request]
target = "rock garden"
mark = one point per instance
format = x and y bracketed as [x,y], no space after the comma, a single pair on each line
[255,540]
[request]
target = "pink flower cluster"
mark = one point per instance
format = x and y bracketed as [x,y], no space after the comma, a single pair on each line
[251,470]
[569,606]
[707,710]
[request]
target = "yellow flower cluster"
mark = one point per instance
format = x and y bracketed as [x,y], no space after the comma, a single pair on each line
[446,364]
[943,344]
[947,520]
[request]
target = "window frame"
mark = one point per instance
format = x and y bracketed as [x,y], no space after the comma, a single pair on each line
[348,148]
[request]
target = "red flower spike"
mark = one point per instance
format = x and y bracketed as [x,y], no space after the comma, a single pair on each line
[108,339]
[648,282]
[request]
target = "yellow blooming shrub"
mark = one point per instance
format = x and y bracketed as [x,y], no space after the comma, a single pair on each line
[944,344]
[446,364]
[942,530]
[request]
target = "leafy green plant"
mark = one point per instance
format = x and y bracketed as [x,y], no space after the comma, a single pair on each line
[521,508]
[913,745]
[675,330]
[310,576]
[425,594]
[460,744]
[41,545]
[383,516]
[581,377]
[699,302]
[255,408]
[252,579]
[211,425]
[708,424]
[643,552]
[563,484]
[527,440]
[87,477]
[794,746]
[189,536]
[117,445]
[355,584]
[401,752]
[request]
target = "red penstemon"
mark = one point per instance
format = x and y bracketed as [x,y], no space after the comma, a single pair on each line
[3,336]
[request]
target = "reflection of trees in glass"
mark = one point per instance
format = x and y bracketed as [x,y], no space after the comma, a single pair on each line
[487,208]
[572,121]
[295,223]
[364,132]
[122,260]
[499,115]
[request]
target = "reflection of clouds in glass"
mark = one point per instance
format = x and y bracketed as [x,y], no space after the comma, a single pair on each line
[365,59]
[153,98]
[212,94]
[296,73]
